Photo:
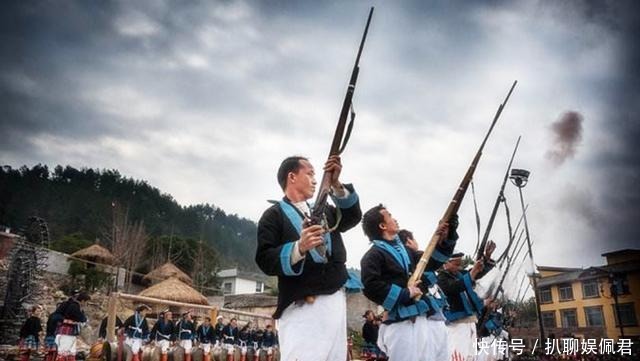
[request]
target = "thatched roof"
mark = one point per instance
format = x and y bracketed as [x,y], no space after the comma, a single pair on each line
[165,271]
[95,253]
[175,290]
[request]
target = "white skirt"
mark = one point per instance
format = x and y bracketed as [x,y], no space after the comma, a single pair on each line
[315,331]
[462,339]
[406,340]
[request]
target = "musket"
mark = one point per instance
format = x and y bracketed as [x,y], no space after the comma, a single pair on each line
[505,254]
[496,205]
[485,312]
[340,139]
[455,203]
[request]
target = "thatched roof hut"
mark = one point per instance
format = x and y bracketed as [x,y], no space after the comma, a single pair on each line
[166,271]
[95,253]
[173,289]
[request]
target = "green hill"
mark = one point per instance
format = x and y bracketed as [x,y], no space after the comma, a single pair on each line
[79,206]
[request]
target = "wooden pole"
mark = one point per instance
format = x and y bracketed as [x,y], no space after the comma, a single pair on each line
[111,318]
[189,305]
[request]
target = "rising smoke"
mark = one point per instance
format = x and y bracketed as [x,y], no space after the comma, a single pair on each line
[567,135]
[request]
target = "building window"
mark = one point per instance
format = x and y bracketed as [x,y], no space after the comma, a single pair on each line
[566,292]
[594,316]
[569,318]
[226,287]
[590,289]
[620,284]
[627,314]
[545,295]
[259,287]
[549,319]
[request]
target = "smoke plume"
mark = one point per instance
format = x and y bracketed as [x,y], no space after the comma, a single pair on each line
[567,135]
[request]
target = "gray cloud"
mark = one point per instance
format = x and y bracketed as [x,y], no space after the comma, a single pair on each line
[204,99]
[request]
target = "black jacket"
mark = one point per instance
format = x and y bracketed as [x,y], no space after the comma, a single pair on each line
[163,330]
[31,327]
[385,280]
[229,334]
[71,310]
[132,330]
[463,301]
[276,237]
[102,332]
[205,336]
[370,333]
[185,330]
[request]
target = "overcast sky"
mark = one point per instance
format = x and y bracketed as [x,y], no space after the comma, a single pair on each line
[203,100]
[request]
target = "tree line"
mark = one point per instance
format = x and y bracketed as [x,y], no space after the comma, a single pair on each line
[82,205]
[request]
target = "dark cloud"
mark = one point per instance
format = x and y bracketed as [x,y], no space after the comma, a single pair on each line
[622,167]
[567,135]
[222,89]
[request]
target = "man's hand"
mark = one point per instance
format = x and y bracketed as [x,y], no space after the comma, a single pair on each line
[488,249]
[442,231]
[477,268]
[334,166]
[310,238]
[414,291]
[490,304]
[412,244]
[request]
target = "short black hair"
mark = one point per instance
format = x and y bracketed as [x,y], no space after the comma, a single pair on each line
[82,296]
[290,164]
[405,235]
[371,222]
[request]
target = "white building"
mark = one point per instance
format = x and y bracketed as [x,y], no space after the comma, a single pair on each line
[236,282]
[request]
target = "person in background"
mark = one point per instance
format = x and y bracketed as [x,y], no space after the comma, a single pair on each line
[30,334]
[163,333]
[243,340]
[230,337]
[186,333]
[136,329]
[270,342]
[73,318]
[102,331]
[206,338]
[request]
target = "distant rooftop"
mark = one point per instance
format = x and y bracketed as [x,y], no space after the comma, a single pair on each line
[625,252]
[558,269]
[235,272]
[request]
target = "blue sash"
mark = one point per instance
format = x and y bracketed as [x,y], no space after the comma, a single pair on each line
[398,252]
[296,221]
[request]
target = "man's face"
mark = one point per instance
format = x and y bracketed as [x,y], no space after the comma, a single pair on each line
[389,224]
[168,316]
[234,323]
[207,322]
[143,312]
[220,321]
[304,180]
[187,317]
[370,316]
[454,265]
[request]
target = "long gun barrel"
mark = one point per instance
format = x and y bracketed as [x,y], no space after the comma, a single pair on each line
[496,205]
[340,138]
[505,256]
[455,203]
